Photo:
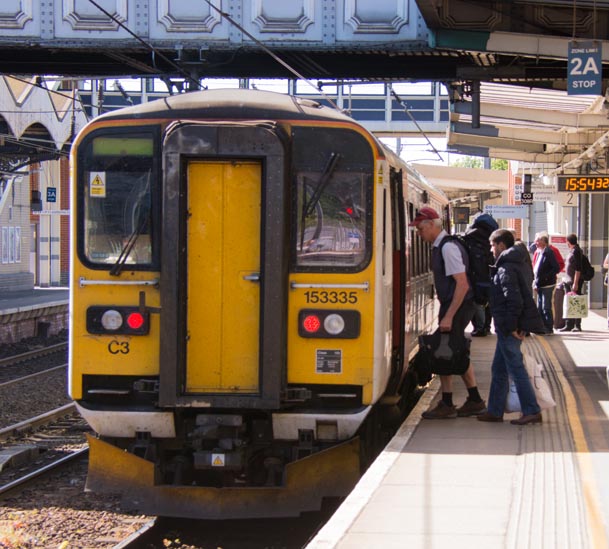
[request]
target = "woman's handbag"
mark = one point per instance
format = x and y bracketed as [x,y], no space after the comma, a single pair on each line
[575,306]
[606,281]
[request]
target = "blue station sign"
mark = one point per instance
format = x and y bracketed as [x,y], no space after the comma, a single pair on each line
[585,68]
[51,194]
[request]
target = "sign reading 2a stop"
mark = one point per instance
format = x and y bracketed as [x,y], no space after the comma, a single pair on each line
[585,68]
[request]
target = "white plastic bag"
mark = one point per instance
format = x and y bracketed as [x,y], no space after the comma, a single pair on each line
[543,393]
[512,404]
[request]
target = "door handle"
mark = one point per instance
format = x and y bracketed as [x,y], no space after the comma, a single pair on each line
[254,277]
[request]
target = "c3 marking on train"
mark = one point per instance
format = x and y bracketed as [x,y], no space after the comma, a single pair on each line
[115,347]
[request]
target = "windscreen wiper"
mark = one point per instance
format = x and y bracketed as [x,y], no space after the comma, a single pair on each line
[324,179]
[122,258]
[322,183]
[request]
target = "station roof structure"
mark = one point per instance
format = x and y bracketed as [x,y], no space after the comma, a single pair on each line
[555,131]
[512,101]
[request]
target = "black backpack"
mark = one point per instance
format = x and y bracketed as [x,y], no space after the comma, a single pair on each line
[480,260]
[587,269]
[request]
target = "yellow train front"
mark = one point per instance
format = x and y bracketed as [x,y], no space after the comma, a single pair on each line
[245,296]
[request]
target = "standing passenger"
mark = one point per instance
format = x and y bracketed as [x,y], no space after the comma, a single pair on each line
[449,263]
[545,267]
[606,266]
[514,314]
[573,280]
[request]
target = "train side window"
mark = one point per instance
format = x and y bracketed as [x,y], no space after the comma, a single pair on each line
[117,177]
[332,206]
[413,243]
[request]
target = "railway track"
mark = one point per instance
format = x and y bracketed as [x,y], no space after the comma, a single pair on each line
[36,353]
[33,362]
[39,445]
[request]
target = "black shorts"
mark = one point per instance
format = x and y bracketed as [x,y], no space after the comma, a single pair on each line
[461,319]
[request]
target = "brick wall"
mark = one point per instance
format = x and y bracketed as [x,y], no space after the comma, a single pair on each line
[16,330]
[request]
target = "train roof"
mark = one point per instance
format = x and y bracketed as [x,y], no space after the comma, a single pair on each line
[239,104]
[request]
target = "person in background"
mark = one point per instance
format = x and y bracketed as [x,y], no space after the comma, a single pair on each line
[514,314]
[573,280]
[557,255]
[606,266]
[479,231]
[528,272]
[449,262]
[545,269]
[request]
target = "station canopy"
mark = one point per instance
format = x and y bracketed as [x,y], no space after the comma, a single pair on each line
[555,131]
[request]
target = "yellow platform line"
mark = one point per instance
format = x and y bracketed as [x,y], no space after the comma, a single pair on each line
[582,452]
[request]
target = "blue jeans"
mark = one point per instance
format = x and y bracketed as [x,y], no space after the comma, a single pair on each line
[507,363]
[544,306]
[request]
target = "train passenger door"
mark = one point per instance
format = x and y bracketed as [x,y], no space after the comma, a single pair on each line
[223,276]
[224,266]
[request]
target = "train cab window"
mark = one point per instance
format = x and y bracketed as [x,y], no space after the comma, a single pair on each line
[117,175]
[332,206]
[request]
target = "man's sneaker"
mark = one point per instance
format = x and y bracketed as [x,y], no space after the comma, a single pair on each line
[471,408]
[441,411]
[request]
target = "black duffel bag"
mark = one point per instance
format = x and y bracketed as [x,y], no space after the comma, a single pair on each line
[441,354]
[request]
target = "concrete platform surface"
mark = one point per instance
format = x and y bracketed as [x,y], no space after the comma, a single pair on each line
[461,483]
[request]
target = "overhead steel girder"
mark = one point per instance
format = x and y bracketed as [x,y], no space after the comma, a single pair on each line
[542,116]
[475,139]
[522,138]
[521,156]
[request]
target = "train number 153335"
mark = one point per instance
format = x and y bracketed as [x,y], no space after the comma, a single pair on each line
[323,296]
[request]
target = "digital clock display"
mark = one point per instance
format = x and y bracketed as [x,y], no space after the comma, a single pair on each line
[583,183]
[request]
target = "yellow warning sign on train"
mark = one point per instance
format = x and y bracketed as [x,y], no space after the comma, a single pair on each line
[218,460]
[97,184]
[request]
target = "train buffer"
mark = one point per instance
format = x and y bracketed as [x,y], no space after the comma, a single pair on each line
[462,483]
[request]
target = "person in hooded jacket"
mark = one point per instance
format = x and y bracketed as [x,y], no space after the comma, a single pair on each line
[514,314]
[479,231]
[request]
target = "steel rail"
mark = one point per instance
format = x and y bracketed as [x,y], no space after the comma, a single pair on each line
[15,359]
[29,376]
[31,423]
[43,470]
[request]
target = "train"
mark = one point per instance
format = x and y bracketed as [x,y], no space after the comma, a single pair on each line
[246,300]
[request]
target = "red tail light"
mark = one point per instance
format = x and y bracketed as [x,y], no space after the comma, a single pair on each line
[135,320]
[311,324]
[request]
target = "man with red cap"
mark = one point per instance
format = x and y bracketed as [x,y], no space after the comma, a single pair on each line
[449,262]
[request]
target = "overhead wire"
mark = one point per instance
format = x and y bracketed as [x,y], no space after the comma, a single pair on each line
[37,84]
[269,52]
[150,47]
[413,120]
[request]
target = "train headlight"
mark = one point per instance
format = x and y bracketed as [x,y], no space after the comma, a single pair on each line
[329,324]
[111,320]
[334,324]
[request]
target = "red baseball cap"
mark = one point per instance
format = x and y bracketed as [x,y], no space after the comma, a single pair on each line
[424,214]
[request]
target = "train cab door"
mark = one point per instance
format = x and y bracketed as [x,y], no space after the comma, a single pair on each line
[224,274]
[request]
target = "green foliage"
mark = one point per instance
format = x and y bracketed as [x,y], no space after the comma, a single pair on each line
[478,162]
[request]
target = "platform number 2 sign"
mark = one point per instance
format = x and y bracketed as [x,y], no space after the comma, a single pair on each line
[585,68]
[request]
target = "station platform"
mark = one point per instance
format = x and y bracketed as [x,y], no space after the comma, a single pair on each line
[36,312]
[25,300]
[462,483]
